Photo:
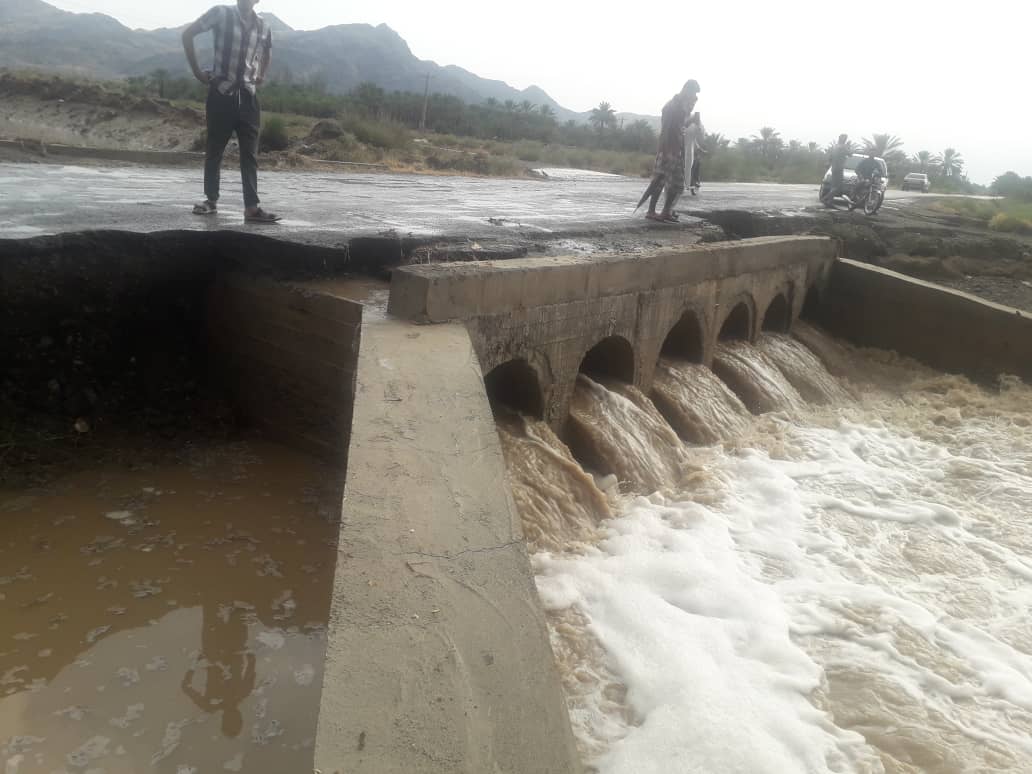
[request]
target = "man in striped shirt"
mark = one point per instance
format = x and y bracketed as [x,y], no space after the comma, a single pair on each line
[243,49]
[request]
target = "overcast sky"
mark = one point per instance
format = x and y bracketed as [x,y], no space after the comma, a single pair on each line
[937,74]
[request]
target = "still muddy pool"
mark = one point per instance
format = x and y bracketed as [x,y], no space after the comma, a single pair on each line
[170,619]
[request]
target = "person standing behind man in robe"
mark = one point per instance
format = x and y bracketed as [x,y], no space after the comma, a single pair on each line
[694,133]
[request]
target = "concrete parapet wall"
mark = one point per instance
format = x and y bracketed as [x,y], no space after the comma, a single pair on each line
[443,292]
[550,312]
[943,328]
[438,659]
[288,352]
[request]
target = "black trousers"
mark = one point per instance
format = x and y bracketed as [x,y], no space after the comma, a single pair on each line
[228,113]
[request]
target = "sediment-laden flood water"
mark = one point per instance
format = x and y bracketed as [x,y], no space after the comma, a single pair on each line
[830,572]
[170,619]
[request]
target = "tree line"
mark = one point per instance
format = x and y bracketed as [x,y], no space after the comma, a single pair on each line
[765,155]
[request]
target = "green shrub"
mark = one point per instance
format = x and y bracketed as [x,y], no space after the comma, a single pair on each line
[477,164]
[388,135]
[1009,223]
[274,135]
[528,151]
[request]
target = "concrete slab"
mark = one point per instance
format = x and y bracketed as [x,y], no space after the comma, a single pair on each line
[445,292]
[438,659]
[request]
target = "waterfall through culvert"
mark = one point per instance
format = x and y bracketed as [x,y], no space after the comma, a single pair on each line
[799,571]
[700,407]
[615,429]
[755,378]
[559,503]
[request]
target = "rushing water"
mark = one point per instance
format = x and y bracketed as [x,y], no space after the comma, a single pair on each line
[560,503]
[169,619]
[621,433]
[755,378]
[700,407]
[841,585]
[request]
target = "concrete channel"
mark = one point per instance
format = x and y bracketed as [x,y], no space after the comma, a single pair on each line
[437,657]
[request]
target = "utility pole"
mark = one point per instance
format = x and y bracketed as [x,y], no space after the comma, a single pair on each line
[426,100]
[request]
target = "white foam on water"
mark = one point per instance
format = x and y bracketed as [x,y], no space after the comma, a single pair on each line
[841,595]
[703,647]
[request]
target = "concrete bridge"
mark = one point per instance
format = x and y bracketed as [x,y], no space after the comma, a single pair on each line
[438,658]
[536,323]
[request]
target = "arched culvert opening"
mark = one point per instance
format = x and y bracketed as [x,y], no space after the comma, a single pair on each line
[514,385]
[611,358]
[738,324]
[779,316]
[812,304]
[685,339]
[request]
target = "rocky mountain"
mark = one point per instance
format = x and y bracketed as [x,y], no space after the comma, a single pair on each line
[34,34]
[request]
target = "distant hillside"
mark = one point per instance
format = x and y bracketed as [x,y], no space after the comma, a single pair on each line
[37,35]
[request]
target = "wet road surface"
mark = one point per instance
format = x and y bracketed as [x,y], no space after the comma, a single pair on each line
[38,199]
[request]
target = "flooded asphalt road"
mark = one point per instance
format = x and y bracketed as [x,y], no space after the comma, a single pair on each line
[39,199]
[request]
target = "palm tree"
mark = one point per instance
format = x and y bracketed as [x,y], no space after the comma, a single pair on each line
[883,145]
[923,159]
[812,147]
[491,103]
[642,135]
[851,147]
[160,77]
[602,116]
[951,161]
[526,106]
[509,105]
[769,142]
[716,141]
[546,111]
[371,97]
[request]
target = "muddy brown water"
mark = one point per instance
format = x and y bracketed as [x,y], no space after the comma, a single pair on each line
[167,620]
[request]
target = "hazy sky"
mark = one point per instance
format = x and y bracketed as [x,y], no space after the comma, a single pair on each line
[937,74]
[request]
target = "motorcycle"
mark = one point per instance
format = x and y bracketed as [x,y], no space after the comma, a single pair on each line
[868,194]
[865,194]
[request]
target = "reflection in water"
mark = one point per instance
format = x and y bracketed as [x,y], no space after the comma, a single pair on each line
[167,620]
[228,665]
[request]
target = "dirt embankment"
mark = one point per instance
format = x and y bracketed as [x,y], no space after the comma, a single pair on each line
[54,110]
[960,253]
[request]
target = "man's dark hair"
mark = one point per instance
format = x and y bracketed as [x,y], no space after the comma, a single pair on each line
[691,86]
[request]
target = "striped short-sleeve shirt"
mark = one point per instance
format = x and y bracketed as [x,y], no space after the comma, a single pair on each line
[239,46]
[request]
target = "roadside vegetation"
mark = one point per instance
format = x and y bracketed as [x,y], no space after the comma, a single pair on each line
[1011,213]
[507,135]
[371,125]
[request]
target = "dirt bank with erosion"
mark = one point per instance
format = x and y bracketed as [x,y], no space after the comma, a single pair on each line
[960,253]
[913,237]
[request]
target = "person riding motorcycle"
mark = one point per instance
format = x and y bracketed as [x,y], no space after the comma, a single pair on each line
[867,169]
